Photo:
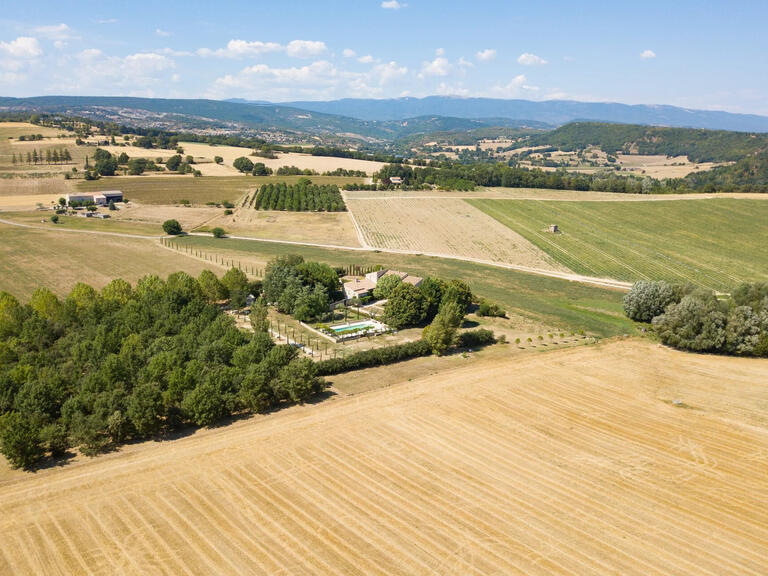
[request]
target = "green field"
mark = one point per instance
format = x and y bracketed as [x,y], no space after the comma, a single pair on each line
[549,301]
[172,188]
[715,243]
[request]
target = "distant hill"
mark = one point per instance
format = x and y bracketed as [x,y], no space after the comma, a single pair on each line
[194,114]
[699,145]
[554,112]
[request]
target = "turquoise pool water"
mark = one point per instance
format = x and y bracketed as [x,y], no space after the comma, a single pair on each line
[352,327]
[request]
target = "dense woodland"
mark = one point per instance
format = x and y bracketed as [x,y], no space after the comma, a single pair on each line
[98,369]
[694,319]
[303,196]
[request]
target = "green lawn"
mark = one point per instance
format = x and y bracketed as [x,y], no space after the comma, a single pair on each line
[171,188]
[552,302]
[715,243]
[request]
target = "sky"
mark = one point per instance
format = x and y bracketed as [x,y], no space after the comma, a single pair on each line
[709,55]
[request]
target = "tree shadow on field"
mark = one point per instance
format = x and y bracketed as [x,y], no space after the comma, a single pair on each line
[50,462]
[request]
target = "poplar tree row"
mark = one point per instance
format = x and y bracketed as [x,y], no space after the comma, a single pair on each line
[50,156]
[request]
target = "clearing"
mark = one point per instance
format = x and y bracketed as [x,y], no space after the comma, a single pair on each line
[443,226]
[572,462]
[714,243]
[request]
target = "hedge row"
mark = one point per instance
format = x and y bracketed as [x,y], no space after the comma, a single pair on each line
[398,353]
[374,357]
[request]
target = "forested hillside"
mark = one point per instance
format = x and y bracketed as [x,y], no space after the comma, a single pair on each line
[698,145]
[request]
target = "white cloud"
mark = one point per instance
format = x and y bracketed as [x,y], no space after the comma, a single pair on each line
[437,67]
[145,64]
[486,55]
[242,48]
[444,89]
[514,88]
[464,63]
[23,48]
[367,59]
[55,32]
[388,72]
[647,54]
[528,59]
[305,48]
[163,33]
[349,53]
[393,5]
[440,52]
[107,21]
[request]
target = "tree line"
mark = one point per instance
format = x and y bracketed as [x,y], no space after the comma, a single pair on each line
[748,175]
[99,368]
[303,196]
[694,319]
[50,156]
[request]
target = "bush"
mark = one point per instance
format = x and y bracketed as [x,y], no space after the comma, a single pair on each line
[55,219]
[490,309]
[243,164]
[172,227]
[374,357]
[473,338]
[218,232]
[647,300]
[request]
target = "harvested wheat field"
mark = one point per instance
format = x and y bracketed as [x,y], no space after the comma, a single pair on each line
[443,227]
[332,228]
[559,463]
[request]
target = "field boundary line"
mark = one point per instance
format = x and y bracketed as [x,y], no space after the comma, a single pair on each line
[360,236]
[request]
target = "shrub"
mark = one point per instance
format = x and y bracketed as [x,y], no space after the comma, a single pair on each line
[218,232]
[649,299]
[55,219]
[473,338]
[172,227]
[490,309]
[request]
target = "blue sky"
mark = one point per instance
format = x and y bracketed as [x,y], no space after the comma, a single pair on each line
[694,54]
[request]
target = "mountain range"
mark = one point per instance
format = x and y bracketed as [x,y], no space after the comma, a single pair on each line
[371,120]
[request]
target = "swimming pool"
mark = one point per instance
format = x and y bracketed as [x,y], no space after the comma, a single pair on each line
[354,326]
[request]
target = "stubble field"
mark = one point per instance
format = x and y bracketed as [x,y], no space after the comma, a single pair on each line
[445,227]
[562,463]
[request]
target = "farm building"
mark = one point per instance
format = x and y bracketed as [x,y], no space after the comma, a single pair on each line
[376,275]
[553,228]
[78,198]
[107,196]
[395,180]
[98,198]
[361,287]
[357,288]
